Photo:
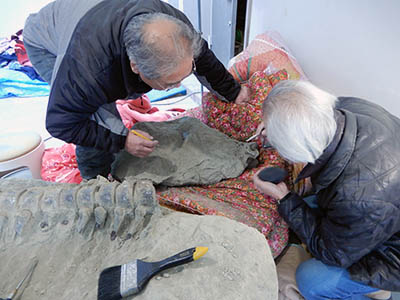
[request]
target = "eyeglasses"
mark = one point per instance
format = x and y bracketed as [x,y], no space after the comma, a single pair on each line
[264,142]
[169,86]
[262,137]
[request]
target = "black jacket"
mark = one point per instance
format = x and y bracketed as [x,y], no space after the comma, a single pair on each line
[357,223]
[96,70]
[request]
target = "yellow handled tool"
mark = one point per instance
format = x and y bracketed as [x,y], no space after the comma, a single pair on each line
[141,135]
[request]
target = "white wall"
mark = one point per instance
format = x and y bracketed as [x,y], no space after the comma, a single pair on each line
[14,12]
[218,22]
[348,47]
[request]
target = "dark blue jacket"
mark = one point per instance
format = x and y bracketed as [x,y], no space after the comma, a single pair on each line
[96,70]
[357,223]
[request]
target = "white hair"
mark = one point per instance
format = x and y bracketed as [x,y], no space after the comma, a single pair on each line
[299,120]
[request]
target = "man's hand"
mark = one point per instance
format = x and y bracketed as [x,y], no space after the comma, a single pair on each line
[277,191]
[243,96]
[138,146]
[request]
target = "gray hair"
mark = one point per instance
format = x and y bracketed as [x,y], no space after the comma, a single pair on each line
[299,120]
[150,53]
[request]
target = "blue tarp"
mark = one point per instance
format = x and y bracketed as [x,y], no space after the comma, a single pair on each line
[18,84]
[155,95]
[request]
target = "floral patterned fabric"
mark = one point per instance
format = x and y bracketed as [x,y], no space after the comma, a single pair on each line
[196,112]
[237,198]
[241,121]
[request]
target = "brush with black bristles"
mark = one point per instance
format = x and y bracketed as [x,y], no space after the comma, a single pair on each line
[122,281]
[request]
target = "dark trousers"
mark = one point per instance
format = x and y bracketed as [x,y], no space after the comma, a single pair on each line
[93,162]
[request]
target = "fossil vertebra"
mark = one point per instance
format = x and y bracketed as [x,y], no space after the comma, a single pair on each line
[28,207]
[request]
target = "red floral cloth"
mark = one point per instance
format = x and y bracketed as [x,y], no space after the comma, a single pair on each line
[241,121]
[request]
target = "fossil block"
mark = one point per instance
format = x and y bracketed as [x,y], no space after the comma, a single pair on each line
[76,235]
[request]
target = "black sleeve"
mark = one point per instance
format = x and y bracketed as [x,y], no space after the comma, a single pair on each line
[74,97]
[346,231]
[208,65]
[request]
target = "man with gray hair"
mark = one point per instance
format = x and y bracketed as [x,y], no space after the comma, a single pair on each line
[95,52]
[350,220]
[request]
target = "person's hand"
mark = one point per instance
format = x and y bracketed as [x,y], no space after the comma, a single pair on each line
[277,191]
[243,96]
[139,146]
[260,128]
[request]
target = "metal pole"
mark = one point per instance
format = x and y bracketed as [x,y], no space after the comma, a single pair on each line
[201,33]
[247,23]
[199,15]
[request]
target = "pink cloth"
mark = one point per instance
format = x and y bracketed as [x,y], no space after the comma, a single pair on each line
[140,110]
[59,165]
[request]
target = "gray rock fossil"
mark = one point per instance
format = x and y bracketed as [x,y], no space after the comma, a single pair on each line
[77,230]
[189,152]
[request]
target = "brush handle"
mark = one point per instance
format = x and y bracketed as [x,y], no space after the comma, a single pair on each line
[146,270]
[176,260]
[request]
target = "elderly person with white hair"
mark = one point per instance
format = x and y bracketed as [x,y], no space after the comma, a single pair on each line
[351,151]
[94,52]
